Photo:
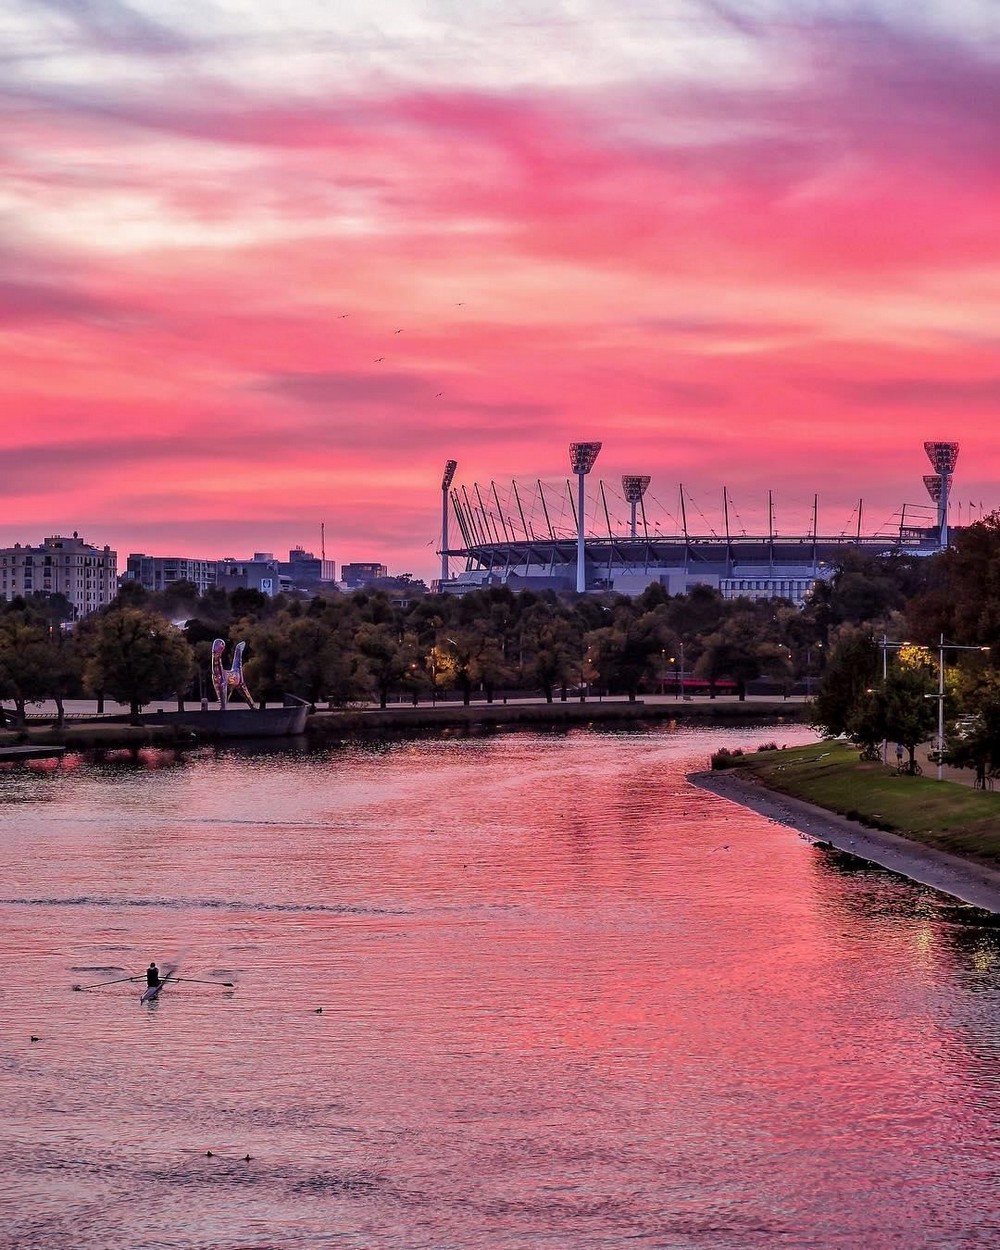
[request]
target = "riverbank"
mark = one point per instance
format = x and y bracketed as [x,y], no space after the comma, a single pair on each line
[84,728]
[937,833]
[324,725]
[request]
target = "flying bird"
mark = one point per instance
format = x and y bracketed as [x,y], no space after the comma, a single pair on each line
[378,358]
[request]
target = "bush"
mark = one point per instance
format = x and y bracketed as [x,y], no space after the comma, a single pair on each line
[767,746]
[724,758]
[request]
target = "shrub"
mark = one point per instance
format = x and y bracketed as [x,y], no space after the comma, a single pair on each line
[724,758]
[767,746]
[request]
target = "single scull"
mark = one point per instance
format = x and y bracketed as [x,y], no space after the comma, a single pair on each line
[152,992]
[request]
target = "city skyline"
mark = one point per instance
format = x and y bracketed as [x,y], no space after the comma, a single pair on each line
[265,271]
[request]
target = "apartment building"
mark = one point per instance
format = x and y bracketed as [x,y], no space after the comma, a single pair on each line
[159,572]
[86,575]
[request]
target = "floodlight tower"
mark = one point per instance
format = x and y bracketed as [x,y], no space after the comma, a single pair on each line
[449,472]
[582,457]
[943,457]
[634,487]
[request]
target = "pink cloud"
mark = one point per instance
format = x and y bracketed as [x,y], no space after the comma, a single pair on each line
[229,316]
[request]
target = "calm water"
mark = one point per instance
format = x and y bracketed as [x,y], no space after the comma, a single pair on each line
[567,1001]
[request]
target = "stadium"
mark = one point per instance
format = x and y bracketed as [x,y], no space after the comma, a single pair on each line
[554,536]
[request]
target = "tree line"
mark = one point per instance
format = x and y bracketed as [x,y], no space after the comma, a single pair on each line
[845,645]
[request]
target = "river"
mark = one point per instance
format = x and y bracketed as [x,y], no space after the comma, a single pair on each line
[524,990]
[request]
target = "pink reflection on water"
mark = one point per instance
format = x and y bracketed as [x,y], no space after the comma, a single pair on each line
[553,1010]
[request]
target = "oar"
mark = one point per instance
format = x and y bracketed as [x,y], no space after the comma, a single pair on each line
[97,984]
[201,981]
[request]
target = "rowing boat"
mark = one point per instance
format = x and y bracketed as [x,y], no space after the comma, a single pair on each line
[152,992]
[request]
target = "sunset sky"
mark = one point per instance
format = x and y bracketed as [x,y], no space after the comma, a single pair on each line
[266,266]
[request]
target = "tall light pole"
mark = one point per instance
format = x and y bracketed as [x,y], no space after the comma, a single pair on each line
[942,647]
[943,458]
[634,485]
[680,676]
[582,457]
[885,646]
[449,472]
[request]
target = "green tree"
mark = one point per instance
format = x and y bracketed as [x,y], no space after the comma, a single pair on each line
[852,671]
[137,656]
[383,657]
[964,605]
[973,739]
[26,651]
[907,712]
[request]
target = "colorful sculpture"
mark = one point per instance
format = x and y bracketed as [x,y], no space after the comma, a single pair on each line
[228,679]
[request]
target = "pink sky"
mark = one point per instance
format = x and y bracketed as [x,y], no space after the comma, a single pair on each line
[266,267]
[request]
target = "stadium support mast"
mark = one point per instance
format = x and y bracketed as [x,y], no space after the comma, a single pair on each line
[449,472]
[582,457]
[634,487]
[943,458]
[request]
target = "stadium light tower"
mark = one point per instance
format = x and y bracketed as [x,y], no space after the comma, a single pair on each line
[449,472]
[933,484]
[634,487]
[943,457]
[582,457]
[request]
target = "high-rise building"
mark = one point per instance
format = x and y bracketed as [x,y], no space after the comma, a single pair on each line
[159,572]
[361,573]
[305,569]
[86,575]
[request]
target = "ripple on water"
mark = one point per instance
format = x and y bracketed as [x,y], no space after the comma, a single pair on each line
[554,1011]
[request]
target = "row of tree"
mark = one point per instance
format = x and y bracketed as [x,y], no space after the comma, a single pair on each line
[342,648]
[925,666]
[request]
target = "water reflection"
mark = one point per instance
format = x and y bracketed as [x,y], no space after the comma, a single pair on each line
[511,990]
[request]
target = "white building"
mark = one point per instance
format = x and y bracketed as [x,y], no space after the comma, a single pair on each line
[86,575]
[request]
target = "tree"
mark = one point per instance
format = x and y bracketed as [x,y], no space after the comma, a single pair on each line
[851,672]
[908,714]
[973,739]
[137,656]
[965,606]
[25,655]
[550,648]
[383,657]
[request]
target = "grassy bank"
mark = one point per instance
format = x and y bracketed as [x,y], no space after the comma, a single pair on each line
[942,814]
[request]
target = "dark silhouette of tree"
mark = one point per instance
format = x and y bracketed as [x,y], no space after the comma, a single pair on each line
[136,656]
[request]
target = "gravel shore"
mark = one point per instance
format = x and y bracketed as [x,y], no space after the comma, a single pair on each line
[962,878]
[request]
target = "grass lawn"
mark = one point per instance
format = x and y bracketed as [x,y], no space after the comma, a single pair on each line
[943,814]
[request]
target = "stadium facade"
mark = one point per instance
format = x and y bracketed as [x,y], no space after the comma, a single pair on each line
[538,537]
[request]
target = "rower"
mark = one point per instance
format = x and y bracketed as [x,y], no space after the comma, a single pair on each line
[152,976]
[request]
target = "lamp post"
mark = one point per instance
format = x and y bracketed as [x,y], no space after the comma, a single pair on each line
[678,690]
[942,647]
[582,457]
[885,646]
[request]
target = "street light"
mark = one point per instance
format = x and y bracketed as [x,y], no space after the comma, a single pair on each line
[885,646]
[680,676]
[942,647]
